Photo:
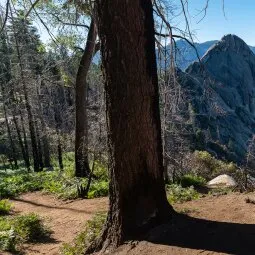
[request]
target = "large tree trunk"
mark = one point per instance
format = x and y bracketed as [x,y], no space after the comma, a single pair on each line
[81,127]
[137,193]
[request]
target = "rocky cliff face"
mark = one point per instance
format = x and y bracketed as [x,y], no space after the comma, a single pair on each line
[185,54]
[221,95]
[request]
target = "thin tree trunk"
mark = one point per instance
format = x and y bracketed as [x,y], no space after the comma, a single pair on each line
[5,78]
[28,106]
[13,148]
[60,158]
[14,106]
[46,147]
[58,123]
[24,137]
[22,144]
[23,151]
[39,145]
[81,117]
[137,193]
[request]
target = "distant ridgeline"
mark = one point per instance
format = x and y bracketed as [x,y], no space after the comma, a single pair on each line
[186,54]
[221,103]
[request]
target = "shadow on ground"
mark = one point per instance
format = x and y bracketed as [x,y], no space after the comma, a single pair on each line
[49,206]
[193,233]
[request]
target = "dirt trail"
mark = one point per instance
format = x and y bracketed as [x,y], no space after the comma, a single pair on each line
[214,225]
[65,218]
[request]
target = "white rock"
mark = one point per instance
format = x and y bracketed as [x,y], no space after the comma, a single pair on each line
[223,180]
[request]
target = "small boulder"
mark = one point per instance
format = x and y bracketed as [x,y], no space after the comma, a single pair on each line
[223,180]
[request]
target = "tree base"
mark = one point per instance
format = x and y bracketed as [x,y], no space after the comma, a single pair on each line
[113,236]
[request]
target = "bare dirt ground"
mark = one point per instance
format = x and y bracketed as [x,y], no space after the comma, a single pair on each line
[213,225]
[210,226]
[65,218]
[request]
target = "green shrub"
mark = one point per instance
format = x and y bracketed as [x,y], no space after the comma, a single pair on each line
[7,240]
[20,229]
[98,189]
[55,182]
[5,207]
[30,228]
[100,171]
[92,230]
[192,180]
[7,236]
[15,184]
[178,194]
[207,166]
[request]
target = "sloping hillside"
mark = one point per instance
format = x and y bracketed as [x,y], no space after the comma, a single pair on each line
[222,98]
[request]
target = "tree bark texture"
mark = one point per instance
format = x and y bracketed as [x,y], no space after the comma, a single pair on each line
[81,127]
[137,193]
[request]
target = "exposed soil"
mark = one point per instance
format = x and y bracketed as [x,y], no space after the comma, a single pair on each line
[210,225]
[213,225]
[65,218]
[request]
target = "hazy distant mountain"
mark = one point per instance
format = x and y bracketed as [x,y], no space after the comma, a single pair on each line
[222,96]
[187,55]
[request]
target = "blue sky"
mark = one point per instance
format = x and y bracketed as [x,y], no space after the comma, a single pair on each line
[239,20]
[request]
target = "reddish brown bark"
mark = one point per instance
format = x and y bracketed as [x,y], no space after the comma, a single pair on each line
[137,194]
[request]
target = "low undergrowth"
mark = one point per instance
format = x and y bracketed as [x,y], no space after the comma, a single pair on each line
[189,180]
[91,231]
[63,184]
[178,194]
[5,207]
[16,230]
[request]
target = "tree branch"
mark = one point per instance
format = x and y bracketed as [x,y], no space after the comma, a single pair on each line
[31,8]
[6,16]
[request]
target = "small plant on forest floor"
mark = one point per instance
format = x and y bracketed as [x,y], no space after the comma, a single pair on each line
[5,207]
[92,230]
[216,192]
[20,229]
[187,211]
[178,194]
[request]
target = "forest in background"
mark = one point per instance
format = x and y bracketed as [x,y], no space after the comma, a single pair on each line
[39,109]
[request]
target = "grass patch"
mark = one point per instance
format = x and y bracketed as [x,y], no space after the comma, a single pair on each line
[92,230]
[178,194]
[20,229]
[5,207]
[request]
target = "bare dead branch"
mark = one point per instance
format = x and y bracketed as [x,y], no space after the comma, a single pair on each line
[6,16]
